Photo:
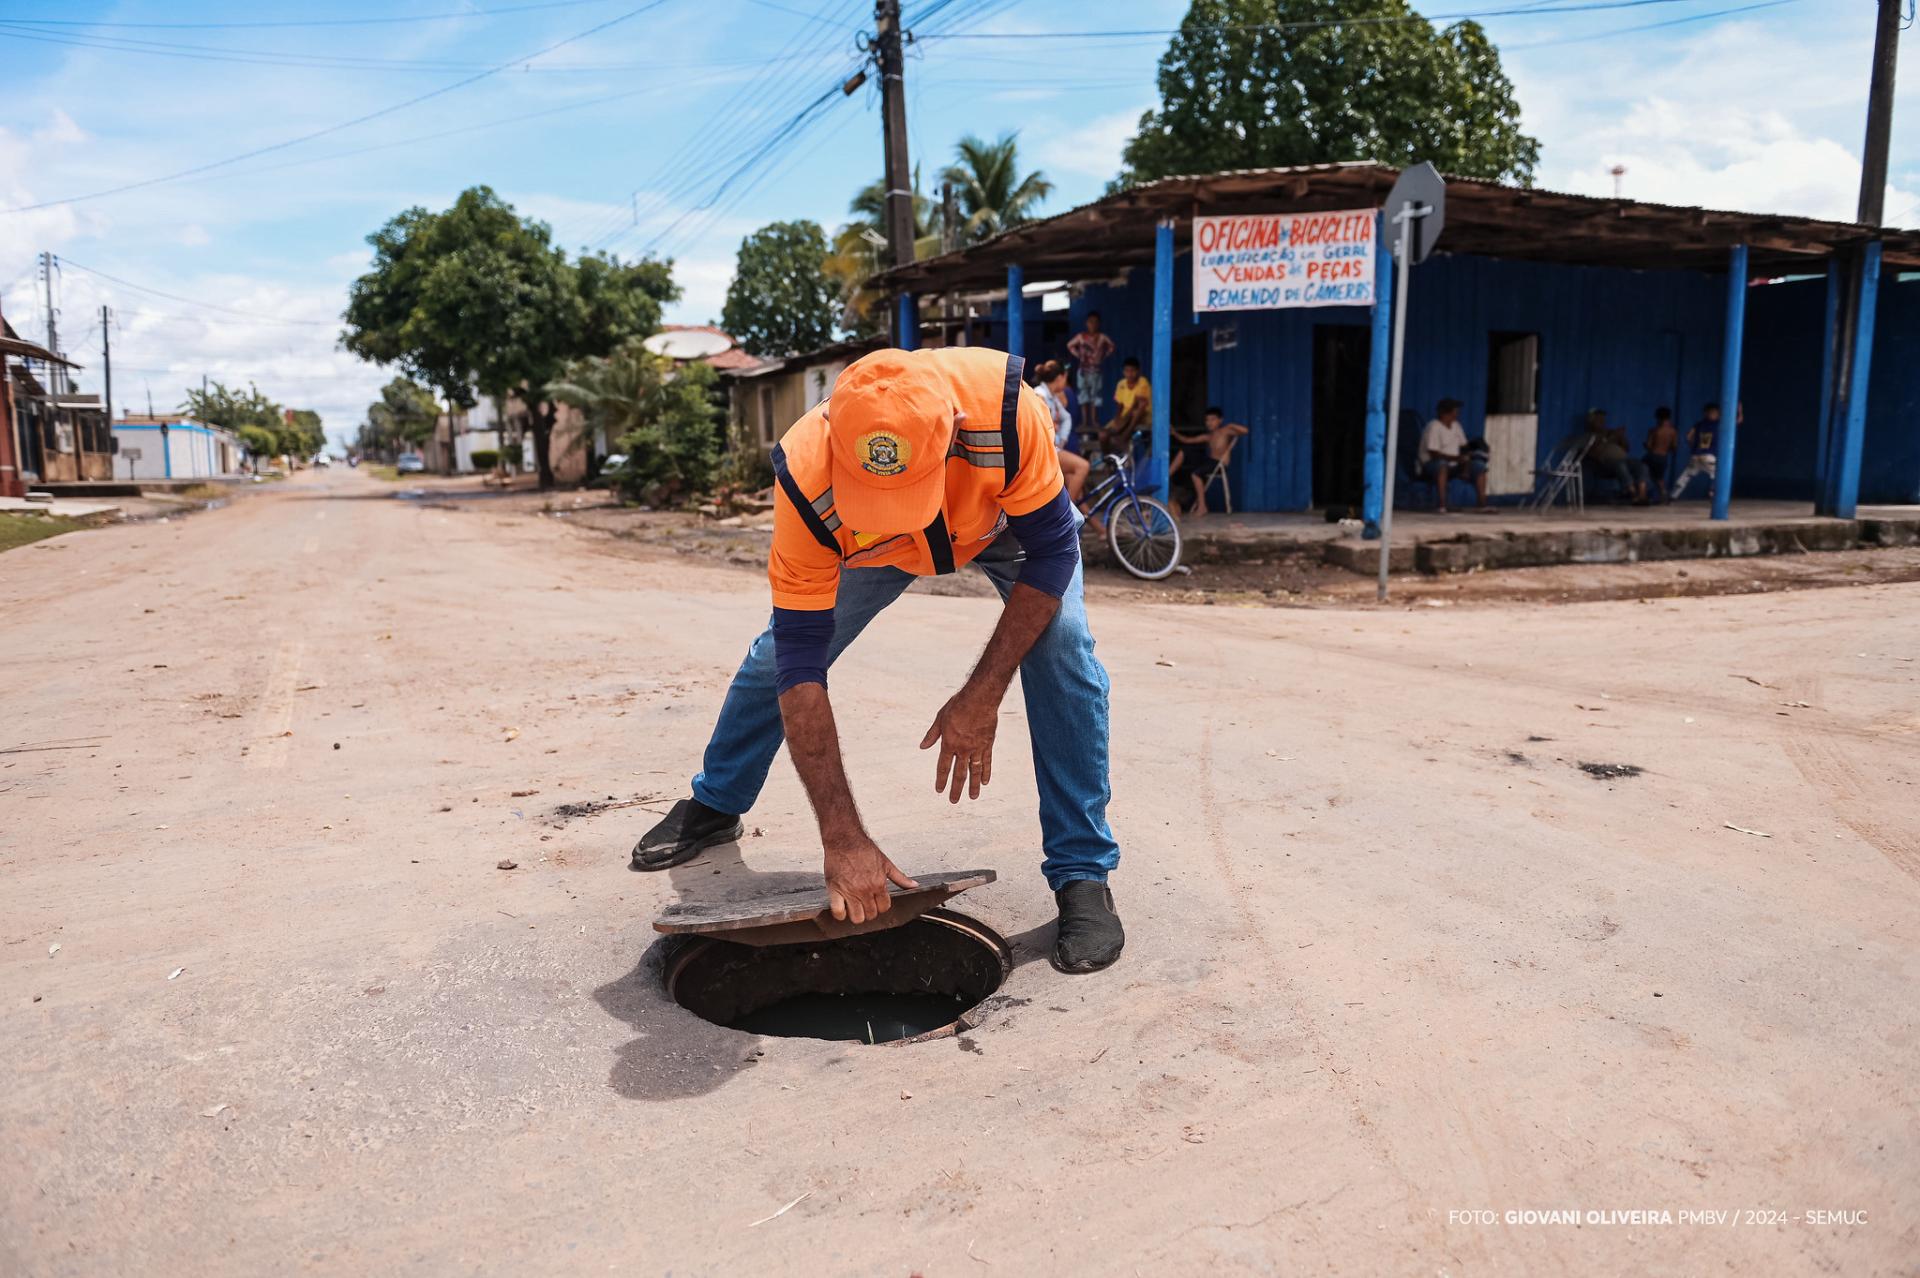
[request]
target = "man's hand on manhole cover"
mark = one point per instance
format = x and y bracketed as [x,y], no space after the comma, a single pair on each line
[857,876]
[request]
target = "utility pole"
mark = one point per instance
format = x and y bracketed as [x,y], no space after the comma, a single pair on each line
[893,124]
[56,378]
[893,128]
[1872,209]
[1873,162]
[106,369]
[949,241]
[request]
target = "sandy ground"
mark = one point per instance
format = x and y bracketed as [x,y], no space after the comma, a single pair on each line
[1393,956]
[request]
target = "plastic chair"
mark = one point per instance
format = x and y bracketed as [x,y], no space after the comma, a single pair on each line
[1563,474]
[1219,476]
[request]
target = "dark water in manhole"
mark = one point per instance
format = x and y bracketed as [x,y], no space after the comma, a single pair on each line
[854,1018]
[909,981]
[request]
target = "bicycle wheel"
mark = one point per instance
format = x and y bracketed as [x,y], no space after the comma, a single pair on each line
[1144,537]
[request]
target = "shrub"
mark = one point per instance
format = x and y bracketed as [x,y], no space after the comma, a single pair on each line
[514,454]
[672,455]
[485,458]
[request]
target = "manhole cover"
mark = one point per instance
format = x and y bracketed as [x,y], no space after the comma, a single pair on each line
[802,914]
[921,980]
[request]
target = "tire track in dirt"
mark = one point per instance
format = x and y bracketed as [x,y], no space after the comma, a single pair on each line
[1279,978]
[1824,766]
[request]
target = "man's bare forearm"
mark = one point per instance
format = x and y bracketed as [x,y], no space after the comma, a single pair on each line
[1022,622]
[814,743]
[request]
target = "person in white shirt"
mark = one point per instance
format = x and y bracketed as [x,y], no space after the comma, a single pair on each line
[1445,455]
[1051,382]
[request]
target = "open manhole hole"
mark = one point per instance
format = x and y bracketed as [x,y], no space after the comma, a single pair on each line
[920,980]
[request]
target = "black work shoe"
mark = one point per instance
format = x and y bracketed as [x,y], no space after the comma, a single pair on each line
[1090,934]
[682,834]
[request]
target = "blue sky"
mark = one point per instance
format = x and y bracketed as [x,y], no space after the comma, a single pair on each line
[619,137]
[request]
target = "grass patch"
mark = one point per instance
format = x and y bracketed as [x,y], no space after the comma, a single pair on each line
[387,473]
[24,530]
[203,492]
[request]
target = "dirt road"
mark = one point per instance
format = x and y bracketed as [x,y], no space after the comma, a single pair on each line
[1393,957]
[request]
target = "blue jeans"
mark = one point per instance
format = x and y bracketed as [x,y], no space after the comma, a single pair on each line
[1064,684]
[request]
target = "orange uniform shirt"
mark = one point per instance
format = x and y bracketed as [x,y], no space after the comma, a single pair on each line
[980,495]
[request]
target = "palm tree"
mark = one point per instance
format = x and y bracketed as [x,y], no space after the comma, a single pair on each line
[985,176]
[860,250]
[869,209]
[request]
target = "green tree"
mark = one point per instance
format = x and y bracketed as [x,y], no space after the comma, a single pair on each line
[1359,80]
[260,424]
[304,433]
[476,301]
[230,407]
[665,419]
[402,418]
[258,440]
[992,194]
[780,300]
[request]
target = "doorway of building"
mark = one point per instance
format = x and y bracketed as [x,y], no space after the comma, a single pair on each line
[1340,353]
[1188,402]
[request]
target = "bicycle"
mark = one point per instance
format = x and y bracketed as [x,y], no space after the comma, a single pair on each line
[1141,531]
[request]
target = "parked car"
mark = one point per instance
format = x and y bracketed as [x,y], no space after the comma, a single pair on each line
[612,472]
[411,464]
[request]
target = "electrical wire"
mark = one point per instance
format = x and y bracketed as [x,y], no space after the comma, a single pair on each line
[1645,26]
[336,128]
[707,151]
[1521,11]
[342,62]
[789,136]
[256,316]
[314,22]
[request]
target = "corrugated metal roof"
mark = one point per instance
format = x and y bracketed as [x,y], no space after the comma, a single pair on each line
[1492,219]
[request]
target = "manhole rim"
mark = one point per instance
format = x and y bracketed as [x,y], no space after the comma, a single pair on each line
[683,956]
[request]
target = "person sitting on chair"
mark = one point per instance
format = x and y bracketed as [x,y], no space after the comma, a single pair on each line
[1201,453]
[1444,455]
[1134,395]
[1607,455]
[1050,379]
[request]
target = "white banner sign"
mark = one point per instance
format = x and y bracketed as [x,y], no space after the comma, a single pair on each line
[1263,261]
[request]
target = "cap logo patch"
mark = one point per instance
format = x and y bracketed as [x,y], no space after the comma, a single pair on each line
[882,453]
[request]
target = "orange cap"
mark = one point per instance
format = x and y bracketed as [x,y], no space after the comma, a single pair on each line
[889,424]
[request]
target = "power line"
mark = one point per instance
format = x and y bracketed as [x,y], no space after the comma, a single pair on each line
[1645,26]
[12,30]
[1522,11]
[788,135]
[336,128]
[191,301]
[315,22]
[715,150]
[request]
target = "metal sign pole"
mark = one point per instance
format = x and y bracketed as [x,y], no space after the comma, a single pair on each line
[1404,219]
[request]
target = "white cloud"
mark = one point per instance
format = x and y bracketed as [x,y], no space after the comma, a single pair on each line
[1749,116]
[1093,149]
[703,282]
[1719,156]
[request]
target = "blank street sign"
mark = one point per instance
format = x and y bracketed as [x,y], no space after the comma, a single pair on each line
[1421,184]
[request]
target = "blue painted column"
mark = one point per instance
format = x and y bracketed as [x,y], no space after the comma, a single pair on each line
[1853,427]
[1162,347]
[1016,312]
[906,326]
[1378,356]
[1730,380]
[1823,426]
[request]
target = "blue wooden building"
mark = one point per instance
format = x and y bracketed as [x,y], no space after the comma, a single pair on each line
[1536,308]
